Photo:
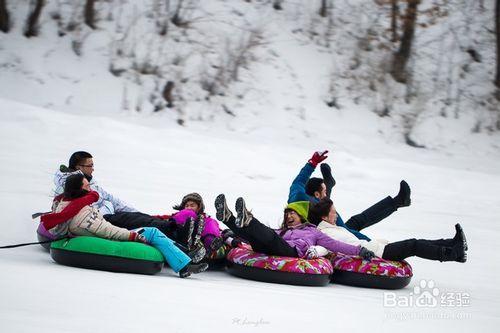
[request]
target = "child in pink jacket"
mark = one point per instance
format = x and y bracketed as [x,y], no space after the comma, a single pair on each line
[192,206]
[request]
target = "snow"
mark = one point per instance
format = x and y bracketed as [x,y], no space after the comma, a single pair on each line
[53,103]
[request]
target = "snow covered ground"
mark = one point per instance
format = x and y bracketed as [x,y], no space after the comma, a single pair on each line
[152,167]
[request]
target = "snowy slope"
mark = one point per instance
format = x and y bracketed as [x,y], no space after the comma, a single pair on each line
[152,167]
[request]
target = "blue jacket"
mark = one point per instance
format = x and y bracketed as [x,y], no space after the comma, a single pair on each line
[298,193]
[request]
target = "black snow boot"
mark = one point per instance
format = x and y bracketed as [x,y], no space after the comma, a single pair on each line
[403,198]
[198,253]
[192,269]
[458,241]
[216,244]
[455,253]
[185,233]
[243,216]
[223,213]
[199,225]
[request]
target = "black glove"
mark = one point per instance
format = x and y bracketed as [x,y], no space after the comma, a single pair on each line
[328,179]
[366,254]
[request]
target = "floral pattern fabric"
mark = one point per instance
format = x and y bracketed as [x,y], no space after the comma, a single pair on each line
[275,263]
[376,266]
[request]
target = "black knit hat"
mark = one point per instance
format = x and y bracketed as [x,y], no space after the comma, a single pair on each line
[195,197]
[73,186]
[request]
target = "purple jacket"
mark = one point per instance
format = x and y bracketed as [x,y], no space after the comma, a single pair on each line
[306,235]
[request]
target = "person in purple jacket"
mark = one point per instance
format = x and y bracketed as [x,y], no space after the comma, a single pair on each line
[295,238]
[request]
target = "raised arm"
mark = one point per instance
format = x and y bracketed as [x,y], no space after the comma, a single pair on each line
[298,187]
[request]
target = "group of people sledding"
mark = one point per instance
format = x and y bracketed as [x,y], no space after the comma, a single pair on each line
[311,225]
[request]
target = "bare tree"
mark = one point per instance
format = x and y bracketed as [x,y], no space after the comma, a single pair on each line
[394,20]
[89,14]
[401,57]
[4,16]
[497,24]
[323,10]
[36,7]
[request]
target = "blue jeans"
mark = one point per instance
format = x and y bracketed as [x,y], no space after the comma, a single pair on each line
[175,258]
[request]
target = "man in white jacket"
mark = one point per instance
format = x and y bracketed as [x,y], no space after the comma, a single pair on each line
[82,161]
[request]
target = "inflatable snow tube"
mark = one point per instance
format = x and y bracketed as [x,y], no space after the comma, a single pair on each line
[107,255]
[286,270]
[44,236]
[376,273]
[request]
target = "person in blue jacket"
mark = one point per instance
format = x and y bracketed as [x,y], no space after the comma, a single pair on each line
[305,188]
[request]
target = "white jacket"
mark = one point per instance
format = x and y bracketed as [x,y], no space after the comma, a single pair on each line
[107,203]
[343,235]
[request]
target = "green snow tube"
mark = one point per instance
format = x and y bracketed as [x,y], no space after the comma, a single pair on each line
[107,255]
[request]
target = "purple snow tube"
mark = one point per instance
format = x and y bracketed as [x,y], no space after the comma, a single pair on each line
[43,236]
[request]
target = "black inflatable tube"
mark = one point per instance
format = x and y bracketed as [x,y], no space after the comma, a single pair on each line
[266,275]
[369,280]
[105,262]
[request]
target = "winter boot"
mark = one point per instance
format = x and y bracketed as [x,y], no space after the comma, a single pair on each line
[199,225]
[223,213]
[243,216]
[458,242]
[184,233]
[192,269]
[462,241]
[403,198]
[197,254]
[216,244]
[454,253]
[460,236]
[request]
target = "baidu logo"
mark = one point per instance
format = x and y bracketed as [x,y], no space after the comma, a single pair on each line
[427,295]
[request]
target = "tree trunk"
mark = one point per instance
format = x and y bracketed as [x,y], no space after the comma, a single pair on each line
[497,23]
[89,14]
[176,19]
[394,20]
[4,16]
[167,94]
[33,18]
[403,54]
[323,10]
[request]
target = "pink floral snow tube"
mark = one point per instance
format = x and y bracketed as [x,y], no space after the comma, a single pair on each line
[376,266]
[285,264]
